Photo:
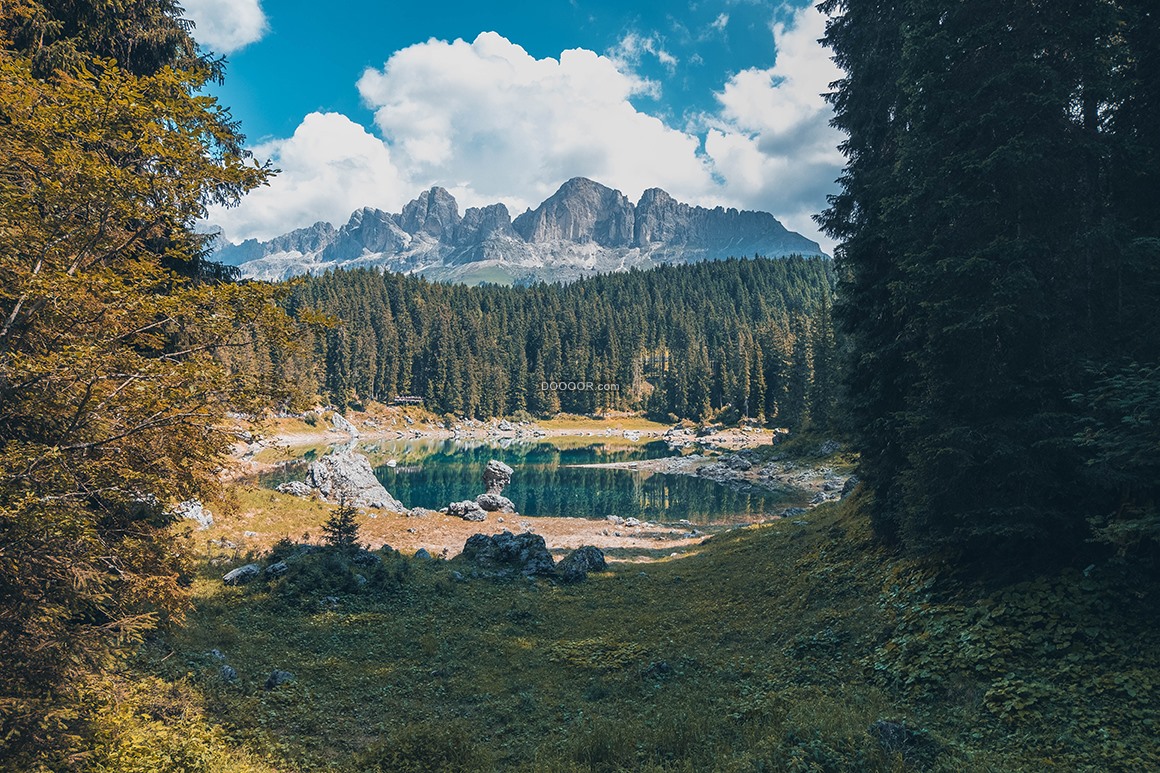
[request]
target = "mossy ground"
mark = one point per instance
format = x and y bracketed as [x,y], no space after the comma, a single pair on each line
[769,648]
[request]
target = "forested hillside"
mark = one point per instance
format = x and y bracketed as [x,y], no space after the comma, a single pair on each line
[752,335]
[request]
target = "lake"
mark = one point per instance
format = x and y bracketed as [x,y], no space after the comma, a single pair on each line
[431,474]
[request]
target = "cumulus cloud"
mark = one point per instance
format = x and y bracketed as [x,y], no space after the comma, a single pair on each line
[721,22]
[225,26]
[771,140]
[331,166]
[490,122]
[488,116]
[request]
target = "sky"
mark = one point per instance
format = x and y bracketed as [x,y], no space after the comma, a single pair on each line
[366,103]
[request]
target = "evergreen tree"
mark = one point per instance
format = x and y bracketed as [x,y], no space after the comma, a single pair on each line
[341,530]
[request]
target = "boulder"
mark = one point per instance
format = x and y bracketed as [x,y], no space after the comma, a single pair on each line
[495,503]
[295,488]
[342,425]
[467,510]
[228,673]
[348,476]
[508,553]
[192,510]
[242,575]
[496,475]
[277,678]
[277,570]
[576,565]
[850,484]
[422,554]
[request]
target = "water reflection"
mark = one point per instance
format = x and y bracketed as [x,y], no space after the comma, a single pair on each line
[432,473]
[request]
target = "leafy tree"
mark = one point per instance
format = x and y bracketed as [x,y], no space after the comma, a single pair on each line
[113,393]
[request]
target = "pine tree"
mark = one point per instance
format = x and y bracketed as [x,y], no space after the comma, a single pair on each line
[341,530]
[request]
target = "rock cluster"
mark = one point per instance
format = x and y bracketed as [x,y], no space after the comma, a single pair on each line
[295,488]
[495,476]
[510,555]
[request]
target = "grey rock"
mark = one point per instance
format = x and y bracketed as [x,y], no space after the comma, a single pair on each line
[347,475]
[228,674]
[295,488]
[849,486]
[341,424]
[495,503]
[738,462]
[583,229]
[242,575]
[576,565]
[277,570]
[278,678]
[829,448]
[193,510]
[496,475]
[467,510]
[508,553]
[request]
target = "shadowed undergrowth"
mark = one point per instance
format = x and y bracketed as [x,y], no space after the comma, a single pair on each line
[782,647]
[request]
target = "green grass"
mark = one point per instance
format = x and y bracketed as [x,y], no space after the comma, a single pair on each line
[769,648]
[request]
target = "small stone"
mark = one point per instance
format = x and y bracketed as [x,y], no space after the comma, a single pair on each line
[467,510]
[228,674]
[295,488]
[242,575]
[278,678]
[192,510]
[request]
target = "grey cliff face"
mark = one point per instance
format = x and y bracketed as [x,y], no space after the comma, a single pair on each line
[583,229]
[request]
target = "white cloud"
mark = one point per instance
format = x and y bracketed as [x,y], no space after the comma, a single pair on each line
[631,50]
[490,122]
[721,22]
[488,117]
[225,26]
[330,167]
[771,140]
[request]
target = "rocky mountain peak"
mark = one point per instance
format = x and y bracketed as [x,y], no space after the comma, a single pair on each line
[583,228]
[580,211]
[435,213]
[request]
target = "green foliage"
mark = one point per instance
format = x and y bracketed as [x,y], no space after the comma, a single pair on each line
[439,747]
[341,529]
[752,337]
[997,247]
[113,393]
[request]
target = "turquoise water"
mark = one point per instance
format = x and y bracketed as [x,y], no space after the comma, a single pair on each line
[431,474]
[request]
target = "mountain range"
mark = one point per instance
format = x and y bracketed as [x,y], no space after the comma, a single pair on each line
[583,229]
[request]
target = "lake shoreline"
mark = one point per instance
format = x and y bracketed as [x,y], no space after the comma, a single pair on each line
[266,516]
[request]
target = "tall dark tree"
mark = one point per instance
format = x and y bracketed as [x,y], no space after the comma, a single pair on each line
[983,254]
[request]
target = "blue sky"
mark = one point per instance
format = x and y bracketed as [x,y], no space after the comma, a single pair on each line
[366,104]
